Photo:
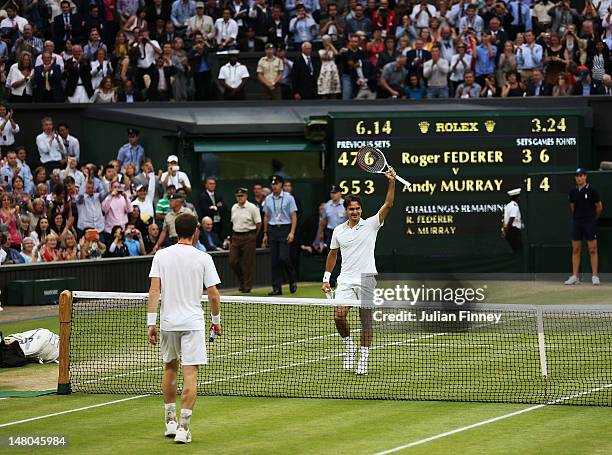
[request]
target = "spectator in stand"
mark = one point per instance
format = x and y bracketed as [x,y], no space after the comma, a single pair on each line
[50,252]
[48,86]
[358,23]
[117,247]
[182,10]
[436,72]
[201,68]
[144,198]
[600,62]
[406,28]
[506,63]
[512,88]
[303,27]
[149,50]
[422,13]
[490,88]
[538,86]
[78,77]
[106,92]
[541,20]
[469,88]
[50,146]
[27,251]
[250,42]
[116,207]
[226,31]
[13,168]
[201,23]
[19,79]
[415,89]
[269,73]
[89,207]
[586,86]
[607,85]
[328,83]
[521,13]
[12,19]
[8,128]
[133,241]
[212,204]
[70,249]
[348,57]
[90,50]
[9,255]
[285,82]
[393,78]
[72,170]
[562,15]
[529,56]
[131,152]
[100,67]
[151,238]
[471,21]
[333,24]
[387,55]
[208,237]
[459,64]
[128,94]
[90,245]
[174,176]
[42,230]
[72,147]
[163,205]
[10,216]
[485,56]
[365,80]
[233,77]
[304,75]
[28,43]
[416,58]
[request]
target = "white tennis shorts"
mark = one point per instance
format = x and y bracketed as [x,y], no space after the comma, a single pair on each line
[363,291]
[188,346]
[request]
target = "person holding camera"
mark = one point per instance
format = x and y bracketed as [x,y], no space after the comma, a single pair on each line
[116,207]
[117,247]
[133,241]
[174,176]
[149,50]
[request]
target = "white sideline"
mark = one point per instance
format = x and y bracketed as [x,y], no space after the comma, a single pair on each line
[488,421]
[84,408]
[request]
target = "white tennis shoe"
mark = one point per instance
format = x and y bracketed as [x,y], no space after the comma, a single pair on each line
[349,357]
[572,280]
[362,367]
[595,280]
[183,436]
[171,427]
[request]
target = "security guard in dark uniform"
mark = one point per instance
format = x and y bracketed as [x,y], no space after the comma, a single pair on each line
[586,207]
[280,221]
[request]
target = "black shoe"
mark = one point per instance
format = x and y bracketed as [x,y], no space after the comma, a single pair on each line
[241,289]
[245,291]
[293,288]
[276,292]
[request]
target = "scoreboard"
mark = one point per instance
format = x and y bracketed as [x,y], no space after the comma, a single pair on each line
[460,165]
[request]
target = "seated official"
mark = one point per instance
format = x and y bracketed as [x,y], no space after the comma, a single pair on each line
[208,237]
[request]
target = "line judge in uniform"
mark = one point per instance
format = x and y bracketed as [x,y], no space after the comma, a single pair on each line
[334,214]
[246,222]
[280,220]
[586,207]
[513,223]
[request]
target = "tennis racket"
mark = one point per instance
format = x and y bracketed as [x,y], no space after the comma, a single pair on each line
[372,160]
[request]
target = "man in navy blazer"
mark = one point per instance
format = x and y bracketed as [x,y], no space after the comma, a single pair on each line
[208,237]
[48,81]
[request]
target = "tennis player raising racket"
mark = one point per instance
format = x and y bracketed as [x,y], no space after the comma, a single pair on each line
[356,240]
[180,273]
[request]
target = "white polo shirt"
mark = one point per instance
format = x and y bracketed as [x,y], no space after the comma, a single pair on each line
[233,75]
[184,272]
[357,248]
[512,210]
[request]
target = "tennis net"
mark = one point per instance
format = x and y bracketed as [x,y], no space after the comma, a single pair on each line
[289,347]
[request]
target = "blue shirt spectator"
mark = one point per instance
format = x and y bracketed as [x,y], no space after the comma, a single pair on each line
[358,23]
[485,57]
[529,55]
[181,11]
[521,13]
[13,168]
[303,27]
[334,212]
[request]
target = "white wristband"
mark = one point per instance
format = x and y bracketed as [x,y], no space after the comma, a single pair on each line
[151,318]
[216,319]
[326,277]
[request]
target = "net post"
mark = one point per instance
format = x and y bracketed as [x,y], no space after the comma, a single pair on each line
[65,319]
[541,341]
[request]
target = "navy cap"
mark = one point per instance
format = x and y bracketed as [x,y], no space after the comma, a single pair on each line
[132,131]
[276,179]
[580,171]
[335,189]
[176,196]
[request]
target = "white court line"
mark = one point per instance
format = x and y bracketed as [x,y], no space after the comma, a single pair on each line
[495,419]
[71,410]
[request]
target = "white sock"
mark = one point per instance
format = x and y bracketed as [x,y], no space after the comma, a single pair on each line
[365,351]
[185,418]
[348,341]
[170,411]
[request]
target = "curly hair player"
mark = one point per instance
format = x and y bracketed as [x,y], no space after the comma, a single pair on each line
[356,240]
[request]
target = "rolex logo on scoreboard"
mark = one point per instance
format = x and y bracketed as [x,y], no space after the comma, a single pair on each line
[424,127]
[490,126]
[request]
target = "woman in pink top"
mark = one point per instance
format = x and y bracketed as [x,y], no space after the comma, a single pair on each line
[116,207]
[9,215]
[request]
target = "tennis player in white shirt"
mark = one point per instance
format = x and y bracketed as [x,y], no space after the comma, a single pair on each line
[356,239]
[178,274]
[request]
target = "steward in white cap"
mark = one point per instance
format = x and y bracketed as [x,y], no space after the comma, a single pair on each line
[513,224]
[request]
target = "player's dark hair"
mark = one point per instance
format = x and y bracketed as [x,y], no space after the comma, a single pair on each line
[352,198]
[185,225]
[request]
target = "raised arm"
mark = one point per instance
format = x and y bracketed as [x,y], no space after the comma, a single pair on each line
[389,198]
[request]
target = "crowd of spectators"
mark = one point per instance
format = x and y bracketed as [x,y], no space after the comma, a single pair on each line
[133,50]
[54,207]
